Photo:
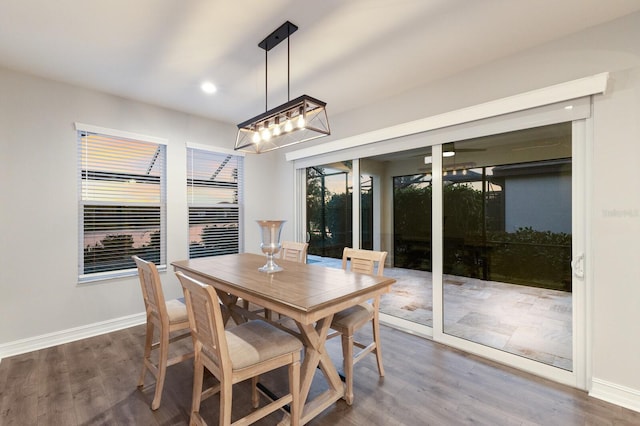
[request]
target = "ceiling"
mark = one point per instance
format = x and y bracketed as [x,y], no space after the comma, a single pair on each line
[346,52]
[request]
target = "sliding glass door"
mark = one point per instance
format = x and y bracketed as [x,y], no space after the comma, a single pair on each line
[507,242]
[484,225]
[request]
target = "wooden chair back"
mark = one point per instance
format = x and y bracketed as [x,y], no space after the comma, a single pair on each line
[152,293]
[363,261]
[294,251]
[206,323]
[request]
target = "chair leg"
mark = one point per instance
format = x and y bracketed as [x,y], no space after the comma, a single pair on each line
[377,340]
[196,420]
[226,390]
[294,389]
[162,367]
[148,341]
[255,398]
[347,363]
[196,395]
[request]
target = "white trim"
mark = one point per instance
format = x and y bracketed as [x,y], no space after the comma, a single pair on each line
[589,163]
[300,215]
[70,335]
[574,89]
[437,248]
[580,320]
[215,149]
[616,394]
[560,112]
[120,133]
[537,368]
[356,195]
[410,327]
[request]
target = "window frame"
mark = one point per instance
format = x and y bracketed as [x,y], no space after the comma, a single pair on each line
[208,151]
[161,203]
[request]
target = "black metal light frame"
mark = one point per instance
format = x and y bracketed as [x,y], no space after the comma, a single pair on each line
[276,124]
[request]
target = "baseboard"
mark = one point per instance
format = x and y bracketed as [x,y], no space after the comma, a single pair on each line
[70,335]
[616,394]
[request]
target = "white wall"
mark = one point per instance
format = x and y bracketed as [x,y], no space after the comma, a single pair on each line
[541,202]
[269,188]
[615,232]
[614,206]
[39,293]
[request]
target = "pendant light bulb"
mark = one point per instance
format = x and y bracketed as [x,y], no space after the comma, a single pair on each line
[276,127]
[256,137]
[300,122]
[288,126]
[265,134]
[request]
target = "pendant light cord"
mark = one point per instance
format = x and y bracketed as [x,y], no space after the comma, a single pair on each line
[266,80]
[266,48]
[288,68]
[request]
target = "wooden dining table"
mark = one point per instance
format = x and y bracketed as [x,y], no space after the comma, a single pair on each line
[308,294]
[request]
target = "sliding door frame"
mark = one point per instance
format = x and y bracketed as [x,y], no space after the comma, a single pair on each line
[577,376]
[567,102]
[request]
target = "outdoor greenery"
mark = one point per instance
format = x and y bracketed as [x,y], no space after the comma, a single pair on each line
[328,216]
[412,222]
[474,244]
[216,240]
[547,254]
[115,250]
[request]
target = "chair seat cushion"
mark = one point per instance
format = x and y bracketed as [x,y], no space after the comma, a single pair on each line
[256,341]
[177,311]
[353,316]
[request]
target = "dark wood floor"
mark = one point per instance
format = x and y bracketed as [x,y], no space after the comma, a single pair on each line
[93,382]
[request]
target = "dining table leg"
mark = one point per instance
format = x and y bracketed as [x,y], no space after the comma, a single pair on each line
[229,303]
[314,339]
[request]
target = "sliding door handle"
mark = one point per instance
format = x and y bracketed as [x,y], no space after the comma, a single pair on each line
[577,265]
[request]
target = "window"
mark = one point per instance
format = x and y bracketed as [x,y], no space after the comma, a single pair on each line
[122,202]
[214,189]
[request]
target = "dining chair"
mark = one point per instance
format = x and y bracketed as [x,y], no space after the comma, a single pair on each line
[348,321]
[294,251]
[169,317]
[236,354]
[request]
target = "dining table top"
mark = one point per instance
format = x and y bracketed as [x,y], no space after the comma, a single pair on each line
[304,292]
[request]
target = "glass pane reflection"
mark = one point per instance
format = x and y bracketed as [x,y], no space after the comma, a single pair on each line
[507,242]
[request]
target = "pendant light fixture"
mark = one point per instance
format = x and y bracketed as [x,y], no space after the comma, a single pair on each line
[299,120]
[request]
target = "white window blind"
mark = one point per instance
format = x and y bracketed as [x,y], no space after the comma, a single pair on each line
[214,188]
[122,204]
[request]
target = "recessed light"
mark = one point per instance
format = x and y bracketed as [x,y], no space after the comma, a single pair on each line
[208,87]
